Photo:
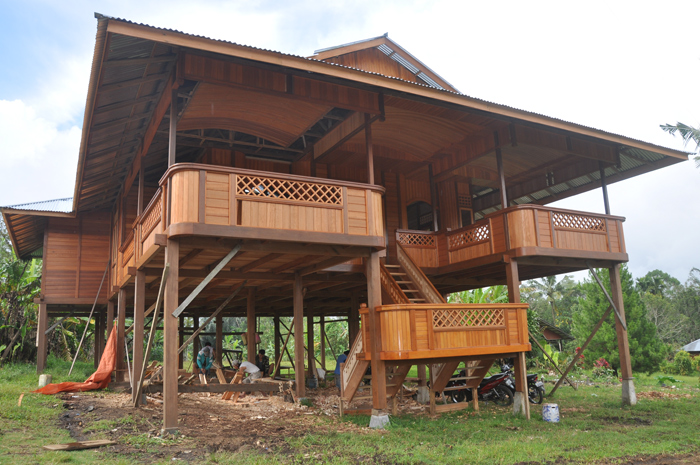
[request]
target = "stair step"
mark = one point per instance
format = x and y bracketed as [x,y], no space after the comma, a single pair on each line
[404,282]
[392,266]
[398,274]
[417,300]
[410,290]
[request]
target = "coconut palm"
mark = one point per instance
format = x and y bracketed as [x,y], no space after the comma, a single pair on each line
[688,133]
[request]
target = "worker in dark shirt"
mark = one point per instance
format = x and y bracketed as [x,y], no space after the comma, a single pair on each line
[262,362]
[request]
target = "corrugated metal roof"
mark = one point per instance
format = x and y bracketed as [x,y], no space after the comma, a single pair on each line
[55,206]
[692,347]
[603,132]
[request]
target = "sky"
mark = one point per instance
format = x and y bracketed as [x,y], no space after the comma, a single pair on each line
[624,67]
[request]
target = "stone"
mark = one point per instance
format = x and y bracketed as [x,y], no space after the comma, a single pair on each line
[378,421]
[629,396]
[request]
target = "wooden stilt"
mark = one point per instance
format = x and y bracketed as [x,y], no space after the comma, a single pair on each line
[180,340]
[310,343]
[110,318]
[278,360]
[322,336]
[219,339]
[195,343]
[522,404]
[42,345]
[250,325]
[139,311]
[629,397]
[299,336]
[121,327]
[170,323]
[278,337]
[374,297]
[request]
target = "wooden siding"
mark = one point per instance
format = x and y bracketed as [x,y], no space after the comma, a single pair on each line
[76,257]
[414,331]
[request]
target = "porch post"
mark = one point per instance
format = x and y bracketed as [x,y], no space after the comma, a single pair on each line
[170,333]
[99,336]
[137,333]
[250,324]
[374,298]
[501,172]
[322,332]
[195,344]
[629,396]
[423,396]
[310,349]
[121,328]
[299,336]
[276,323]
[353,319]
[521,405]
[604,187]
[219,339]
[370,152]
[110,319]
[42,345]
[180,341]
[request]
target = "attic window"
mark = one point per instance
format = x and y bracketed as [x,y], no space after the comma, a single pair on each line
[405,63]
[429,81]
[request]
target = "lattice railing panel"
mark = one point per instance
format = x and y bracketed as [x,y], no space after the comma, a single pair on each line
[470,236]
[128,251]
[581,222]
[152,218]
[418,240]
[257,186]
[468,317]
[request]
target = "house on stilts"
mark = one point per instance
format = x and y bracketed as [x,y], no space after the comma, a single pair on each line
[309,186]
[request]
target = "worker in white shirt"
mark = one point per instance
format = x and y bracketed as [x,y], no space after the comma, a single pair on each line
[251,369]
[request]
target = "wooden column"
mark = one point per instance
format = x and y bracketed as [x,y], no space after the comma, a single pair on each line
[370,150]
[42,345]
[250,324]
[434,200]
[501,173]
[629,397]
[99,337]
[276,323]
[121,328]
[521,403]
[170,333]
[353,319]
[110,318]
[180,341]
[299,336]
[374,300]
[310,350]
[195,344]
[219,338]
[137,332]
[604,187]
[322,332]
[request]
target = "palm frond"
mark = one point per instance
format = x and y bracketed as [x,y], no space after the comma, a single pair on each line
[687,133]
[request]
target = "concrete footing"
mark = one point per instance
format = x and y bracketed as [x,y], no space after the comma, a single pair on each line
[379,419]
[629,396]
[423,395]
[519,399]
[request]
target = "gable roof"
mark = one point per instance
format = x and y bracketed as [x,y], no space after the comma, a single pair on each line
[408,67]
[692,347]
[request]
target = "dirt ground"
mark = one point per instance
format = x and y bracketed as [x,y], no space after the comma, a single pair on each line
[208,424]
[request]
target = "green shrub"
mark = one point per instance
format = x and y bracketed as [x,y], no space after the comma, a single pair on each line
[696,363]
[668,368]
[683,363]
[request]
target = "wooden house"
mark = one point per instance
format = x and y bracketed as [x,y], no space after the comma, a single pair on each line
[308,186]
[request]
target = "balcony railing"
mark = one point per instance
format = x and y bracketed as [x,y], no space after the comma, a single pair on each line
[532,229]
[415,331]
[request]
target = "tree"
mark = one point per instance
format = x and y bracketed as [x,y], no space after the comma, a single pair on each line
[687,133]
[658,291]
[646,349]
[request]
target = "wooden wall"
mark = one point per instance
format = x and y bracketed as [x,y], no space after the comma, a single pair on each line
[76,254]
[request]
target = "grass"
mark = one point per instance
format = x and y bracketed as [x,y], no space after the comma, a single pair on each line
[594,427]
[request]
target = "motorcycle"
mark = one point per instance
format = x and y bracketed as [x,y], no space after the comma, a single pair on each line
[535,388]
[498,389]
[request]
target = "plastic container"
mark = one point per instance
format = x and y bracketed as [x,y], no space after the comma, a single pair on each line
[550,413]
[312,383]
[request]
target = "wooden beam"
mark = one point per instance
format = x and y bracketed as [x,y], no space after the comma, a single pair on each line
[250,324]
[214,315]
[299,336]
[139,317]
[152,334]
[259,262]
[206,280]
[374,300]
[170,334]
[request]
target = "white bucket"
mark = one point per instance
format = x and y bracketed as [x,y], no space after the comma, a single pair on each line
[550,413]
[44,380]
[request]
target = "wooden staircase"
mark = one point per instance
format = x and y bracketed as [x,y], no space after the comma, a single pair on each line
[404,283]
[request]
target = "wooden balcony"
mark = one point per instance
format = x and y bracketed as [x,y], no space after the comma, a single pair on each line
[215,201]
[521,231]
[432,331]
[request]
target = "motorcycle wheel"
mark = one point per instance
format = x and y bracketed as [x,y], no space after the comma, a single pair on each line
[535,395]
[503,396]
[458,396]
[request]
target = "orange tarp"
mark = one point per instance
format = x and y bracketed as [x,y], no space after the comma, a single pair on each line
[99,379]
